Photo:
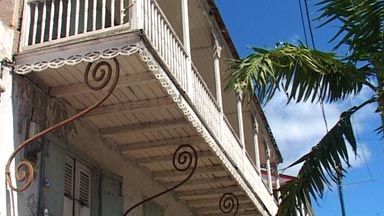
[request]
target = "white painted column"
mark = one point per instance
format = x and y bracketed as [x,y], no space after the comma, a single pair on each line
[185,21]
[277,180]
[268,164]
[256,143]
[216,68]
[187,43]
[137,16]
[240,123]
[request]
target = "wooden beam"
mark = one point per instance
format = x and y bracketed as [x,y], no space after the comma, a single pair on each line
[130,107]
[203,181]
[166,143]
[139,128]
[124,81]
[168,158]
[198,192]
[200,170]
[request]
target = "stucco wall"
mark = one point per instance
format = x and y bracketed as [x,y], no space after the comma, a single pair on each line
[6,120]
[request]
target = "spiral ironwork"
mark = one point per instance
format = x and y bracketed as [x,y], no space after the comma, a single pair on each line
[184,158]
[96,78]
[229,204]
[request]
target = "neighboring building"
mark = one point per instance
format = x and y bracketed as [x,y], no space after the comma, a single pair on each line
[171,55]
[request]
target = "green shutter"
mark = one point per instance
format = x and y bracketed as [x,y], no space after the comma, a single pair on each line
[111,199]
[53,175]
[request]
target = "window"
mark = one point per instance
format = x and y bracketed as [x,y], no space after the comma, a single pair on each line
[77,188]
[71,187]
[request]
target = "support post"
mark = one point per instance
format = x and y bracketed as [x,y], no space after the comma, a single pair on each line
[256,143]
[277,180]
[240,122]
[187,43]
[216,67]
[268,164]
[137,15]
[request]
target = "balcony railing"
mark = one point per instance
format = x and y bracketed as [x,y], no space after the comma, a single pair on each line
[47,22]
[170,49]
[51,20]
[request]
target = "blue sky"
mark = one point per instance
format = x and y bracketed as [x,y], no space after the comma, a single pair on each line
[297,127]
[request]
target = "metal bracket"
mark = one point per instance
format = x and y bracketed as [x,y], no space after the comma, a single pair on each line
[184,158]
[101,79]
[229,204]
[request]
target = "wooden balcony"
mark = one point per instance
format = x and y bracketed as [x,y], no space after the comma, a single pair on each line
[161,87]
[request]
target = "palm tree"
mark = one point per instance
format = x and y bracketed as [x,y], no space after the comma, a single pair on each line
[305,74]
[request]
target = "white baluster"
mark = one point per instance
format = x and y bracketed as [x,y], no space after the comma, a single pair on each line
[43,20]
[69,12]
[94,14]
[103,9]
[34,28]
[77,17]
[86,9]
[112,13]
[122,12]
[51,20]
[60,19]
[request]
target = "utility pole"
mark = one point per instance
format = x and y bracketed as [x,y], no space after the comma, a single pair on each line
[340,189]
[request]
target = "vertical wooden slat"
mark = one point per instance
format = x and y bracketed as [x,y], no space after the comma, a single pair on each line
[77,14]
[112,13]
[156,29]
[94,15]
[51,19]
[86,16]
[43,20]
[69,11]
[60,19]
[34,28]
[103,10]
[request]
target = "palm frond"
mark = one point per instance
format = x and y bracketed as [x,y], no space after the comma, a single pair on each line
[320,167]
[362,25]
[304,74]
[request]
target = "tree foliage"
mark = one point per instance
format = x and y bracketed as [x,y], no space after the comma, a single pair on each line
[305,74]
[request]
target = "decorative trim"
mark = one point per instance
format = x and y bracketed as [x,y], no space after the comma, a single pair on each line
[183,160]
[102,76]
[172,90]
[76,59]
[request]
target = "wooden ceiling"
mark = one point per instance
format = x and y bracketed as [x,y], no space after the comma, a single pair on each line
[148,126]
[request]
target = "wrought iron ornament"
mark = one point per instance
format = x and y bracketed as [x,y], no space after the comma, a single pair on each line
[229,204]
[184,158]
[96,78]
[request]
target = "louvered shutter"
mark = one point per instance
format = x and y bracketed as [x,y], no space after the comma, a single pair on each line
[111,199]
[68,186]
[82,190]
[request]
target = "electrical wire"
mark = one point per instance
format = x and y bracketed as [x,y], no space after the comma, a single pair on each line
[303,23]
[322,108]
[362,149]
[309,24]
